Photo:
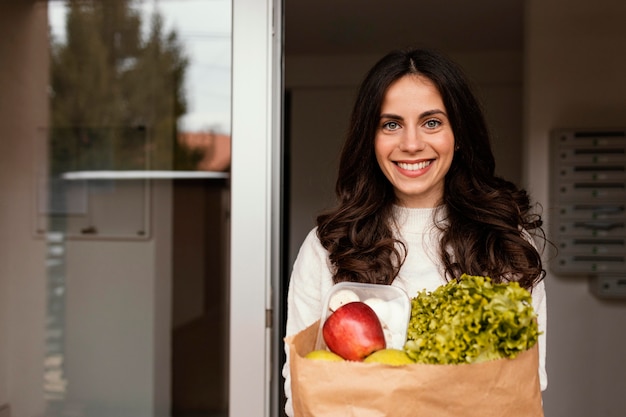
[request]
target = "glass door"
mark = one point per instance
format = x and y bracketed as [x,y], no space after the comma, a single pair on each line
[158,202]
[134,205]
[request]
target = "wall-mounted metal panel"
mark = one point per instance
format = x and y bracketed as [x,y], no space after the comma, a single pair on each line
[588,198]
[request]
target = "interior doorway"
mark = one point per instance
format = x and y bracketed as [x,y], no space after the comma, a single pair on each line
[328,48]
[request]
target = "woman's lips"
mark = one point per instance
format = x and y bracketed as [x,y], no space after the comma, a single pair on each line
[414,166]
[413,169]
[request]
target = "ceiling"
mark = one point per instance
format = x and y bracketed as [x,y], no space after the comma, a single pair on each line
[328,27]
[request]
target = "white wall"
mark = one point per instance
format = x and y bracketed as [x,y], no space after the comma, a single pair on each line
[574,78]
[118,296]
[22,279]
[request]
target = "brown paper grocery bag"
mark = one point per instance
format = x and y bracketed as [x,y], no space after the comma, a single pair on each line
[499,388]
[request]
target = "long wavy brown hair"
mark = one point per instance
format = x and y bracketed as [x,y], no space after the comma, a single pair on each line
[487,216]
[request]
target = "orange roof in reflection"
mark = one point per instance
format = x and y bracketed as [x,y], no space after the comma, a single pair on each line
[216,147]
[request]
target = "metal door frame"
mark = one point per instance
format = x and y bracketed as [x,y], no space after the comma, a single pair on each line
[255,208]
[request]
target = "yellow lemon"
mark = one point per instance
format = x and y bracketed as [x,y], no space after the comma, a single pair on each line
[324,355]
[389,357]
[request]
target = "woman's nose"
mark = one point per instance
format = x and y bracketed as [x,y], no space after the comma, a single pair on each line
[411,141]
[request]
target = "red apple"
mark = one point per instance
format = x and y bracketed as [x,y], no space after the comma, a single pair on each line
[353,331]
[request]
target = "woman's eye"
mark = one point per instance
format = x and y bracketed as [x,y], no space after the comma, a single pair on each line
[432,124]
[391,125]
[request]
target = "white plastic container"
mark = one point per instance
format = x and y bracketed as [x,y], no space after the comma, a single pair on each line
[391,304]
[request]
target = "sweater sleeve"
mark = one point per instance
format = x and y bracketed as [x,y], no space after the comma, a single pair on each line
[311,278]
[539,305]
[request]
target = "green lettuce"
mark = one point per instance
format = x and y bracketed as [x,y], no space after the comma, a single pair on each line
[471,320]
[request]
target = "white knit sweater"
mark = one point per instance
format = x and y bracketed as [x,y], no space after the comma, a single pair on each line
[311,279]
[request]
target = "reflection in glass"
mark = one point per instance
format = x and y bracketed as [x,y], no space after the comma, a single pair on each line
[133,204]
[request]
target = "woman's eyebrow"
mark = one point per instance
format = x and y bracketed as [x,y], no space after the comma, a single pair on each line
[427,113]
[432,113]
[391,116]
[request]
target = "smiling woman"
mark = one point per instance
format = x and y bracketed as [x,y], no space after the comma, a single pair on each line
[418,202]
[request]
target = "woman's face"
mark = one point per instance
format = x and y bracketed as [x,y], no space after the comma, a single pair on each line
[414,142]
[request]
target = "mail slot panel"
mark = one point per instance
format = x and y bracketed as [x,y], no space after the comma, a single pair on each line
[602,211]
[592,156]
[588,201]
[591,191]
[590,228]
[589,139]
[592,173]
[592,246]
[589,264]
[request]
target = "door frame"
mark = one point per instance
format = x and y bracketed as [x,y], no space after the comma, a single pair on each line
[255,208]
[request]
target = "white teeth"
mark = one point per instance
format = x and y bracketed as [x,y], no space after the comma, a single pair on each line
[414,167]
